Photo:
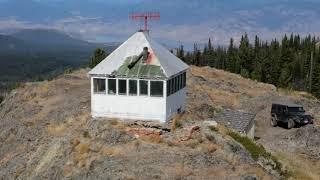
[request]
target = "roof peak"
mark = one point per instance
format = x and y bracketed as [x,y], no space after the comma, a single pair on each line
[159,63]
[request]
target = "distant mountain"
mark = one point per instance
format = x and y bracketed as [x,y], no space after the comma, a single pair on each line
[11,44]
[47,40]
[43,39]
[36,54]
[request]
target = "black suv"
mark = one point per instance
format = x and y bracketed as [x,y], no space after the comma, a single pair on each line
[291,114]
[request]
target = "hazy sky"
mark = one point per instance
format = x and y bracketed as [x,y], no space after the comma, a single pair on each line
[182,21]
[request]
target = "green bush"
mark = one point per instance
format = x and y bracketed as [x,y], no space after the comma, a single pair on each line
[213,128]
[86,134]
[68,71]
[257,151]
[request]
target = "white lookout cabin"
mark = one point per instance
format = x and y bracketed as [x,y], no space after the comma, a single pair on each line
[140,80]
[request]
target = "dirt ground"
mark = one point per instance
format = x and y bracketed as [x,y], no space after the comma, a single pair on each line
[46,132]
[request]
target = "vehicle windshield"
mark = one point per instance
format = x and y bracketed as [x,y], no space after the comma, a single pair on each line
[295,109]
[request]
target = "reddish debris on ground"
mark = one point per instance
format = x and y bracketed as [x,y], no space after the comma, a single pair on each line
[138,132]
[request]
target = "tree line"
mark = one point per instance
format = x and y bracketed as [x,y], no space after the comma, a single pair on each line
[292,62]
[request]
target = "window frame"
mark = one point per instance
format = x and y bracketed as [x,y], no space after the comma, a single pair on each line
[171,86]
[115,93]
[184,79]
[162,94]
[129,87]
[118,87]
[168,87]
[177,84]
[139,88]
[94,87]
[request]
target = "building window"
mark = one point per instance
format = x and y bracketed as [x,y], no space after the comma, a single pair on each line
[184,79]
[133,87]
[172,86]
[112,86]
[99,85]
[168,87]
[176,84]
[122,86]
[179,82]
[143,86]
[156,88]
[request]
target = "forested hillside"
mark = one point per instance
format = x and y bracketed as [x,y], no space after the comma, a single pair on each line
[292,62]
[39,54]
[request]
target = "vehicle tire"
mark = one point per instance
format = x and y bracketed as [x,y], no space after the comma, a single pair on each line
[273,121]
[291,123]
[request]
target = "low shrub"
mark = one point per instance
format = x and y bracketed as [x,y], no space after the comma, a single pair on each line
[68,71]
[209,148]
[193,143]
[176,123]
[213,128]
[86,134]
[211,138]
[257,151]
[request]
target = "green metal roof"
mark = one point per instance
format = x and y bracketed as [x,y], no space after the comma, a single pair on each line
[140,70]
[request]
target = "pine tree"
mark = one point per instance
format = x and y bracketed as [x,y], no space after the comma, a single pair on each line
[286,64]
[244,56]
[231,58]
[180,53]
[196,55]
[257,69]
[98,56]
[209,45]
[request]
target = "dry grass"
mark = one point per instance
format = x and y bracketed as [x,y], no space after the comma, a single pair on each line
[232,86]
[82,148]
[81,154]
[116,123]
[223,98]
[6,158]
[112,150]
[152,139]
[296,94]
[74,142]
[176,122]
[181,171]
[172,143]
[301,169]
[192,143]
[209,147]
[57,130]
[67,170]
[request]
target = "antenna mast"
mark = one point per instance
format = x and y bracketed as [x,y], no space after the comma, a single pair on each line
[146,16]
